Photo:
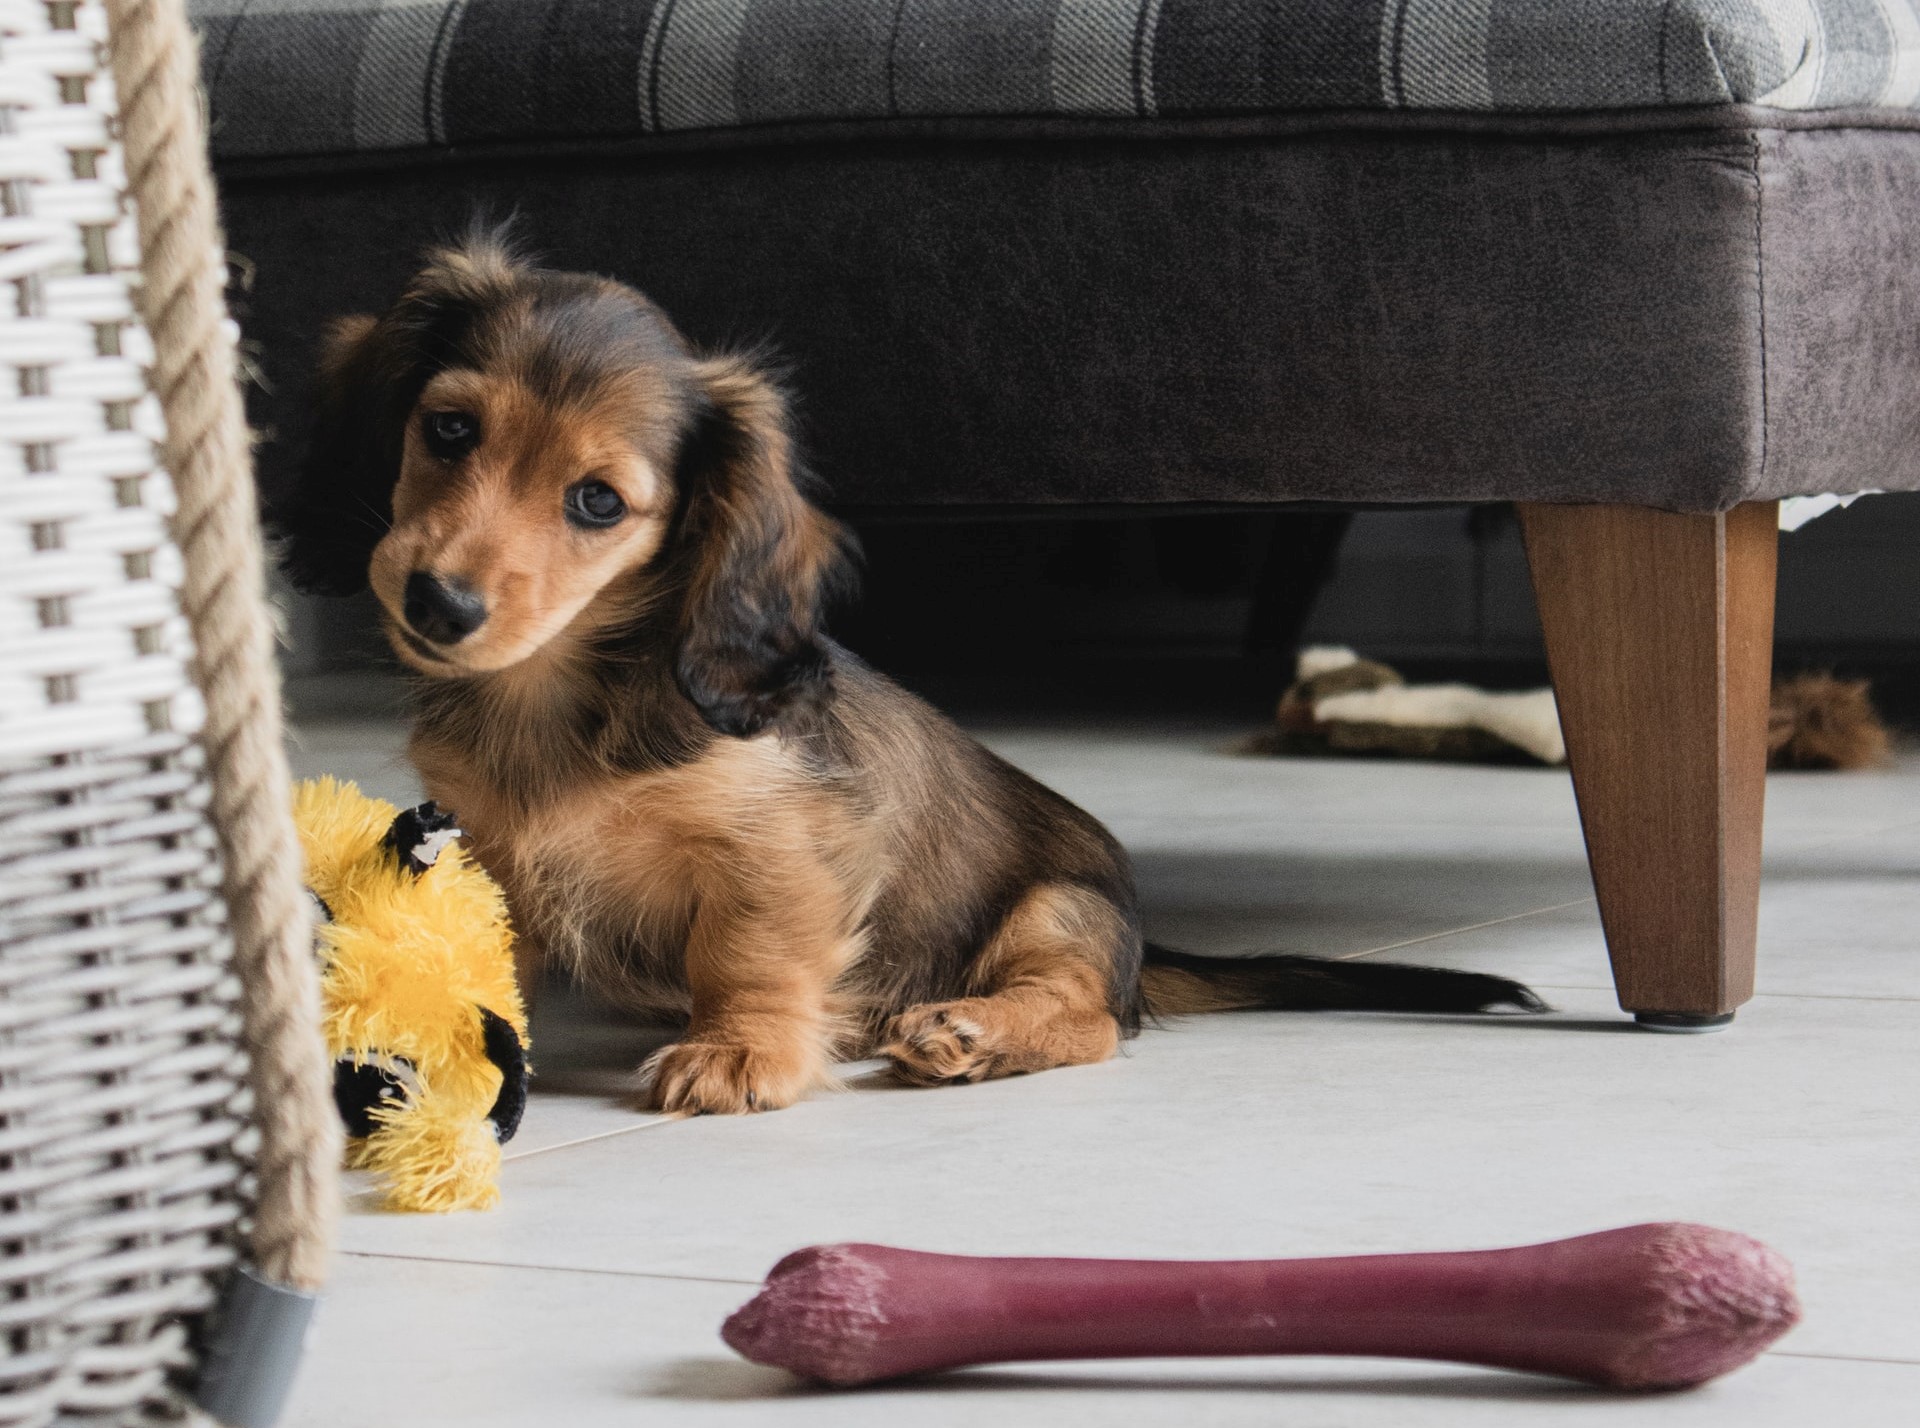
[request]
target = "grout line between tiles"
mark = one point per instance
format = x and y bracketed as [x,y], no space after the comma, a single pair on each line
[645,1124]
[1595,987]
[1854,835]
[1757,996]
[1841,1358]
[551,1268]
[1459,931]
[1832,997]
[755,1283]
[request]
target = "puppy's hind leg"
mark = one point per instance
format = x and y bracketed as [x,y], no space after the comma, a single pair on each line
[1043,997]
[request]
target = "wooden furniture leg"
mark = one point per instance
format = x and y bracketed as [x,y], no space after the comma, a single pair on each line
[1301,555]
[1659,632]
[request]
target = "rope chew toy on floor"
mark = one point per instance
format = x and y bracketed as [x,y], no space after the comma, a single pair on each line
[1657,1306]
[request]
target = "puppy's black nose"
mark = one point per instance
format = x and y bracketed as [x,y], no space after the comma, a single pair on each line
[443,611]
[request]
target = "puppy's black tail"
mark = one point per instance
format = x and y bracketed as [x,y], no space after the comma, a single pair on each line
[1178,984]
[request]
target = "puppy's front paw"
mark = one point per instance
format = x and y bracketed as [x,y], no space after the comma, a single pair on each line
[724,1078]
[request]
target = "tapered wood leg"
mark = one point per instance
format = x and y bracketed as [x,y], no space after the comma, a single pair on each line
[1301,555]
[1660,635]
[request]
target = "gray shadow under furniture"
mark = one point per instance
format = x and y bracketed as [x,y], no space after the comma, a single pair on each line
[1640,266]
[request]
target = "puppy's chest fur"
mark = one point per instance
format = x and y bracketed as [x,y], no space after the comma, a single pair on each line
[606,813]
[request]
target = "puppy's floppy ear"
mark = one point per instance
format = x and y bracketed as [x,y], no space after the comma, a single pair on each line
[371,373]
[762,561]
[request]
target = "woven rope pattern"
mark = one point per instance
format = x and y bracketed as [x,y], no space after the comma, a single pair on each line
[122,1136]
[223,591]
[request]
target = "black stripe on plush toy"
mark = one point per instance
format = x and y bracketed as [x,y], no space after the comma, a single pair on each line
[505,1051]
[418,835]
[362,1086]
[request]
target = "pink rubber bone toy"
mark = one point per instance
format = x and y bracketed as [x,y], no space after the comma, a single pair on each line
[1646,1307]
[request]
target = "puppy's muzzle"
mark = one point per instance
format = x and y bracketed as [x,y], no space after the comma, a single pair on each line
[444,612]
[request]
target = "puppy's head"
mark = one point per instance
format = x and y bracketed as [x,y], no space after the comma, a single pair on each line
[517,459]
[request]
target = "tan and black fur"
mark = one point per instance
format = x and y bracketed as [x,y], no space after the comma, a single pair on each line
[695,800]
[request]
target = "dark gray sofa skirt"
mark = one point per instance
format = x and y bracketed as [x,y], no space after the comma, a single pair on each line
[1684,310]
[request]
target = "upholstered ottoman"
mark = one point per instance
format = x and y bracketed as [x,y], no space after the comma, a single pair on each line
[1643,266]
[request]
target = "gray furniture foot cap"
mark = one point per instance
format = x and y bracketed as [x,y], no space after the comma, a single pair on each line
[258,1333]
[1684,1022]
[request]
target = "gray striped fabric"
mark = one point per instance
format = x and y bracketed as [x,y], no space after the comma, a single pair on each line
[337,76]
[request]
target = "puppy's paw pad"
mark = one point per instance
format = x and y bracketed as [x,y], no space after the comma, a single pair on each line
[721,1078]
[936,1045]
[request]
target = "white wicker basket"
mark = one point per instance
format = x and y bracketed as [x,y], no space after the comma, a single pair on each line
[122,1132]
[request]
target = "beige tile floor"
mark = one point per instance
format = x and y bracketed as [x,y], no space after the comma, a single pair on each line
[591,1295]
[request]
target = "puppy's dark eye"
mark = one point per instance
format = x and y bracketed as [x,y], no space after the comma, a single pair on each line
[450,434]
[594,504]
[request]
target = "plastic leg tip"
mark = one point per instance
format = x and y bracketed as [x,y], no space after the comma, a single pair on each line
[247,1369]
[1684,1023]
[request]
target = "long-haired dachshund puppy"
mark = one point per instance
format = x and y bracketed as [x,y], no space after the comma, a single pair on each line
[595,546]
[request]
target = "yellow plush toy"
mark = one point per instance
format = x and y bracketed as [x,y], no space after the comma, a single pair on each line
[423,1017]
